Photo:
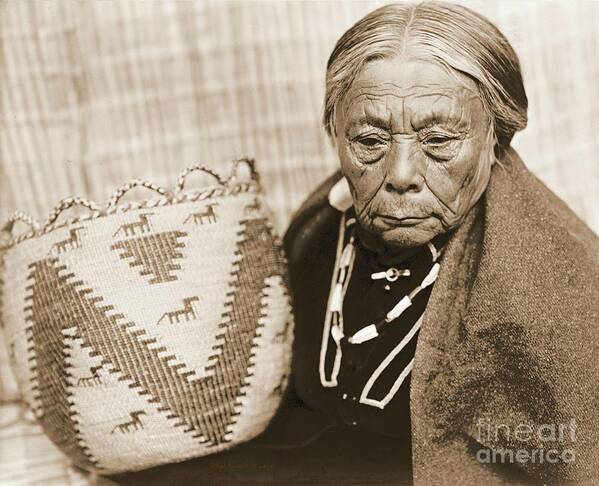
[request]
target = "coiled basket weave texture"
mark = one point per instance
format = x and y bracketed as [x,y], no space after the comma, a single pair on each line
[153,331]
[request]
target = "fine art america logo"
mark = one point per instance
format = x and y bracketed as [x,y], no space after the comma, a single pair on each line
[525,443]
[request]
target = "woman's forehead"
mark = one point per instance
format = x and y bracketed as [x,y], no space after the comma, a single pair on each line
[411,93]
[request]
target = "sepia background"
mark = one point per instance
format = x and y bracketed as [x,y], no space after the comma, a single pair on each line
[95,93]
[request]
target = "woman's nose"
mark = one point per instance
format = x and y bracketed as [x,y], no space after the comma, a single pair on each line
[403,171]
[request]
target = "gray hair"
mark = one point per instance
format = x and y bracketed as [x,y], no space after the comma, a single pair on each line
[451,35]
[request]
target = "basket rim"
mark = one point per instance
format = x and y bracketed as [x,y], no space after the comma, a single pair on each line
[172,199]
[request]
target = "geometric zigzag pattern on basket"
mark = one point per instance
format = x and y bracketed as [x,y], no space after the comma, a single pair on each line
[49,359]
[206,407]
[154,254]
[241,323]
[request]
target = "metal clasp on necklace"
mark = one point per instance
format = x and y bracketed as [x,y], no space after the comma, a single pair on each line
[391,274]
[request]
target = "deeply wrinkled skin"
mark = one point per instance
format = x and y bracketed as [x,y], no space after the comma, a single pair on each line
[413,140]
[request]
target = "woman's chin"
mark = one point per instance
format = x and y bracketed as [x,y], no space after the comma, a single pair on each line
[409,236]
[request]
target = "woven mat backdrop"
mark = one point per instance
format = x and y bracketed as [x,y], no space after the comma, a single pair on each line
[95,93]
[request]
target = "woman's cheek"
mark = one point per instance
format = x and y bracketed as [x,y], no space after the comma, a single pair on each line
[459,182]
[444,183]
[364,180]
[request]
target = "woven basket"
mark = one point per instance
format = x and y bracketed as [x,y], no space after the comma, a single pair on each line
[150,332]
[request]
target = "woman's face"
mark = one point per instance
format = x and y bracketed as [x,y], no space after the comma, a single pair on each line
[413,141]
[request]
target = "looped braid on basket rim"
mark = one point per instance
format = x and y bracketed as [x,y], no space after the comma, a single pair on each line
[182,176]
[121,191]
[7,226]
[68,203]
[251,164]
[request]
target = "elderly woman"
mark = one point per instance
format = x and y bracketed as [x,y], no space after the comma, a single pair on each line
[444,297]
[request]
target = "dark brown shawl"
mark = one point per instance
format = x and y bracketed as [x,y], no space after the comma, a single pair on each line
[510,336]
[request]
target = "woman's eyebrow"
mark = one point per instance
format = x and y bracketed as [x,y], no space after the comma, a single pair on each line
[451,120]
[370,120]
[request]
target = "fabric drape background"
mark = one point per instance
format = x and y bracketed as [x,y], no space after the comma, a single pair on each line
[93,94]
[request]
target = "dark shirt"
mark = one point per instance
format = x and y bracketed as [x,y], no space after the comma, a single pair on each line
[366,301]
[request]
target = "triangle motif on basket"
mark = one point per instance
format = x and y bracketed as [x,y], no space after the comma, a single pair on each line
[206,407]
[51,374]
[153,255]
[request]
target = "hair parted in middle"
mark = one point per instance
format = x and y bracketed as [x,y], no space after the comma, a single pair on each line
[453,36]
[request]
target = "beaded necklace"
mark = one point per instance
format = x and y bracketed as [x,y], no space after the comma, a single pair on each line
[333,325]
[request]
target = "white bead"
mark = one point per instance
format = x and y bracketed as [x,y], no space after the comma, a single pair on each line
[346,256]
[337,334]
[431,277]
[365,334]
[401,306]
[337,299]
[378,275]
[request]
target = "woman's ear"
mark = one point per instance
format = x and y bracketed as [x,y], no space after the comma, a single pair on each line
[333,141]
[494,148]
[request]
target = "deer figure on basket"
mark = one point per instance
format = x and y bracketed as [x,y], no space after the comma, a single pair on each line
[134,423]
[70,243]
[187,312]
[142,224]
[93,378]
[252,207]
[207,214]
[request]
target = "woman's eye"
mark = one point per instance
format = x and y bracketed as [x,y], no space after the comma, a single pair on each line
[369,148]
[440,147]
[437,140]
[370,141]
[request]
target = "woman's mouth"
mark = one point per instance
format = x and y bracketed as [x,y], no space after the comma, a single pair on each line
[400,220]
